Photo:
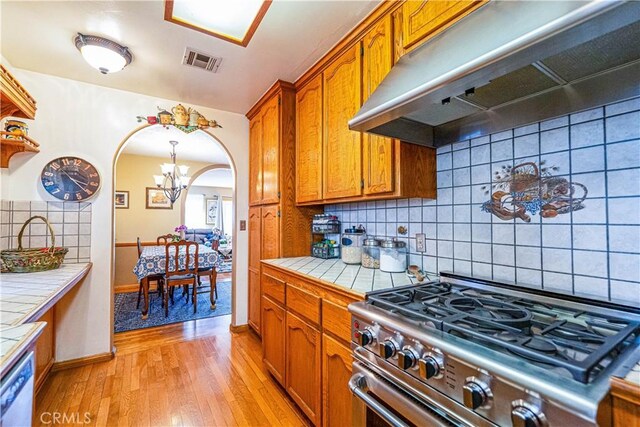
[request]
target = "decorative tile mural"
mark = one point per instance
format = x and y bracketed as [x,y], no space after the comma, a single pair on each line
[70,221]
[528,189]
[553,205]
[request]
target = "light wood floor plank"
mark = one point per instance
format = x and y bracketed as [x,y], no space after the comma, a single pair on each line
[194,373]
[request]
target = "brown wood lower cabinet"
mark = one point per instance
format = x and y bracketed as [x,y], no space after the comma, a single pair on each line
[626,403]
[336,372]
[273,338]
[305,341]
[45,348]
[303,349]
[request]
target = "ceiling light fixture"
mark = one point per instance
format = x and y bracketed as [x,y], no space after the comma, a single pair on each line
[103,54]
[174,178]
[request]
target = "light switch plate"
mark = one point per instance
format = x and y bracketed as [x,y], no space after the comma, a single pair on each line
[420,242]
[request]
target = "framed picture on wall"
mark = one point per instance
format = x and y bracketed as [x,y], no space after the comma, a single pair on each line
[121,200]
[156,199]
[212,211]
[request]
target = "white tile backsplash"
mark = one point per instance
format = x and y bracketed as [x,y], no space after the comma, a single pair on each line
[592,249]
[71,223]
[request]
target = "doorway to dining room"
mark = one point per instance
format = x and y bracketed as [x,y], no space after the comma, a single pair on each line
[144,214]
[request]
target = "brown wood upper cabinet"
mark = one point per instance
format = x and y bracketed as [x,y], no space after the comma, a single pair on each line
[309,142]
[342,157]
[270,147]
[271,129]
[424,19]
[378,152]
[356,166]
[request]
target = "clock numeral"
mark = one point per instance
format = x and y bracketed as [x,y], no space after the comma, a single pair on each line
[89,192]
[93,184]
[87,167]
[56,191]
[78,196]
[93,175]
[55,166]
[65,162]
[66,196]
[77,162]
[48,183]
[48,174]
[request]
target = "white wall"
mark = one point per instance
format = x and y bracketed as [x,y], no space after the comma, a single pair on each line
[89,121]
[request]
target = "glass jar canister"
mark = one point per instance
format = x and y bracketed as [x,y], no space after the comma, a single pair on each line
[352,240]
[371,253]
[393,256]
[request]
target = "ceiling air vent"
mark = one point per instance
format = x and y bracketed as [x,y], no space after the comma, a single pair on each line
[201,60]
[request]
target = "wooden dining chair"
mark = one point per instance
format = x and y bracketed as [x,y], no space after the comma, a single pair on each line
[158,278]
[174,275]
[212,275]
[164,239]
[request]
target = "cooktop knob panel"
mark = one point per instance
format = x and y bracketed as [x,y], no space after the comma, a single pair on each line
[430,366]
[407,358]
[387,348]
[476,393]
[364,337]
[526,415]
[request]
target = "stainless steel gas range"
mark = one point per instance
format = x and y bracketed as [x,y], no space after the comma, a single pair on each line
[468,352]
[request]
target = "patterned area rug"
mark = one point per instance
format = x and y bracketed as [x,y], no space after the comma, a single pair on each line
[224,267]
[127,316]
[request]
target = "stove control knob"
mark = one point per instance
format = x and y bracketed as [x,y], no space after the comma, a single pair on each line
[430,366]
[387,348]
[523,415]
[363,338]
[407,358]
[475,393]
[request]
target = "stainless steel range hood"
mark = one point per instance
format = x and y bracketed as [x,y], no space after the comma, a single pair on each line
[508,64]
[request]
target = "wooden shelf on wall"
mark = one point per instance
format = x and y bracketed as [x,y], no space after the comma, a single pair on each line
[9,147]
[16,101]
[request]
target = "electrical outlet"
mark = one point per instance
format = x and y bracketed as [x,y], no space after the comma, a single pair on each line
[420,242]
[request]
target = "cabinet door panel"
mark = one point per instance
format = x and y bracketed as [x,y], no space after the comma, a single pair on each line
[270,232]
[255,226]
[336,372]
[254,299]
[342,147]
[273,338]
[270,151]
[303,380]
[255,161]
[45,348]
[309,142]
[426,18]
[378,152]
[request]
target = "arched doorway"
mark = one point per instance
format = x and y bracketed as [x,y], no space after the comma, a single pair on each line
[231,165]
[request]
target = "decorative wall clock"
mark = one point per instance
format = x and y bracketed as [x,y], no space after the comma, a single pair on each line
[70,179]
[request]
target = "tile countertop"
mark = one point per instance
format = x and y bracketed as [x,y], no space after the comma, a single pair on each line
[353,277]
[24,297]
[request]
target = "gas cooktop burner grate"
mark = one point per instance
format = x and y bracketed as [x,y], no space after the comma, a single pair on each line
[580,342]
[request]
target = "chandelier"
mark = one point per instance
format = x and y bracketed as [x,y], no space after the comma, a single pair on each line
[174,178]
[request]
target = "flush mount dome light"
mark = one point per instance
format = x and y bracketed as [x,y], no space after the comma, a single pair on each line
[103,54]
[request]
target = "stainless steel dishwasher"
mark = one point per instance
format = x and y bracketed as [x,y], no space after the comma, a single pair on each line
[16,394]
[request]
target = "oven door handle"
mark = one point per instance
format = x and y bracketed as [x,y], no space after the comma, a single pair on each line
[358,386]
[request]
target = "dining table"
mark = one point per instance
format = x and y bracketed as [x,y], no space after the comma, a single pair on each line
[152,261]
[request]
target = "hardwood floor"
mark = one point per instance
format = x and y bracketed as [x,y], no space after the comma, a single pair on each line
[195,373]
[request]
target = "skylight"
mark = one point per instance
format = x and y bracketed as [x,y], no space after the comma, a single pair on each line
[231,20]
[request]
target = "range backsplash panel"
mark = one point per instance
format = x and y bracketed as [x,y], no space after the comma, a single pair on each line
[71,223]
[552,205]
